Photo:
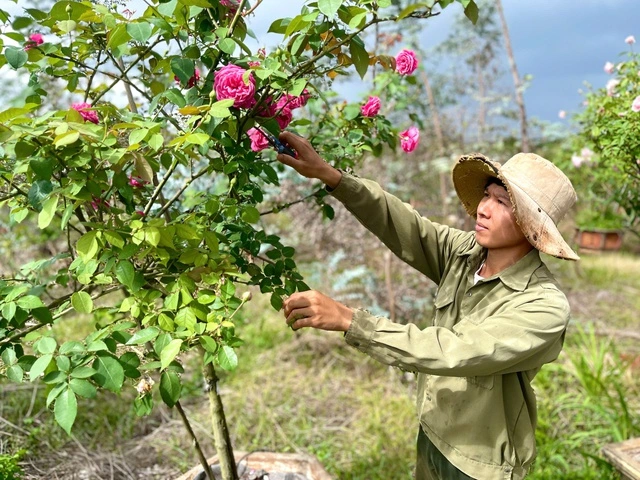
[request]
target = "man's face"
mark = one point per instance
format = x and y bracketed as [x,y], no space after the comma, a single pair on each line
[496,226]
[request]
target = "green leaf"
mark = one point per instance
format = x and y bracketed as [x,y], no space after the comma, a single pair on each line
[87,245]
[66,138]
[410,9]
[183,68]
[138,135]
[15,373]
[48,212]
[9,356]
[83,372]
[84,388]
[156,141]
[118,36]
[169,352]
[359,56]
[66,409]
[143,336]
[227,358]
[197,138]
[329,7]
[140,31]
[109,371]
[9,310]
[125,273]
[143,405]
[165,322]
[16,57]
[250,214]
[29,302]
[82,302]
[470,10]
[276,301]
[209,344]
[39,366]
[220,109]
[114,238]
[46,345]
[38,192]
[170,387]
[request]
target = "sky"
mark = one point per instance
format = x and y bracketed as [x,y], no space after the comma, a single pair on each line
[561,43]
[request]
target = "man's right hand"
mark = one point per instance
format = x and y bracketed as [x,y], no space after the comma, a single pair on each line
[308,163]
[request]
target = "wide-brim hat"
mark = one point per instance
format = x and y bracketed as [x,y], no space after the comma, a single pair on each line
[540,193]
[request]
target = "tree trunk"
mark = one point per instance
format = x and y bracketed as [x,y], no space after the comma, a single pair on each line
[482,109]
[516,78]
[437,126]
[219,423]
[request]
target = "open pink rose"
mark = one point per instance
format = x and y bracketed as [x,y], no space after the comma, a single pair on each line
[611,86]
[136,182]
[406,62]
[409,139]
[35,39]
[371,108]
[635,105]
[562,114]
[630,40]
[258,140]
[609,67]
[192,81]
[84,109]
[230,82]
[284,117]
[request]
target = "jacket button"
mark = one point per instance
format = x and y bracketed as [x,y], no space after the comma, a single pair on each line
[469,294]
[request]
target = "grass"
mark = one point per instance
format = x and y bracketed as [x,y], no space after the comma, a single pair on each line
[308,392]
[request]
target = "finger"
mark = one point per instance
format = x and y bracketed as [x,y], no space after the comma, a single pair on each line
[297,314]
[290,161]
[293,140]
[301,323]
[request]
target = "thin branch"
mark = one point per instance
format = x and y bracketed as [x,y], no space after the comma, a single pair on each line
[279,208]
[203,460]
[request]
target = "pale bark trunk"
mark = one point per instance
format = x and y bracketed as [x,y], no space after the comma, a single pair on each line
[516,79]
[482,112]
[437,127]
[221,437]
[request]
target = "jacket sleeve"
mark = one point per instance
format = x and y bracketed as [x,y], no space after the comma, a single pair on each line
[423,244]
[525,334]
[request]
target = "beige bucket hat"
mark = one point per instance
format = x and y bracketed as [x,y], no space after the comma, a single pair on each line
[540,193]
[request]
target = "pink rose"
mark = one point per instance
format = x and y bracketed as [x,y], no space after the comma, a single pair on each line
[230,4]
[576,160]
[192,81]
[406,62]
[253,64]
[35,39]
[230,82]
[562,114]
[140,212]
[371,108]
[409,139]
[293,102]
[611,86]
[630,40]
[136,182]
[284,117]
[84,109]
[609,67]
[258,140]
[635,105]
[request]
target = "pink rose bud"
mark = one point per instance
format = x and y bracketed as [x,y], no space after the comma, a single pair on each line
[609,67]
[229,82]
[136,182]
[140,212]
[284,117]
[562,114]
[84,109]
[635,105]
[409,139]
[253,64]
[630,40]
[258,140]
[35,39]
[406,62]
[371,108]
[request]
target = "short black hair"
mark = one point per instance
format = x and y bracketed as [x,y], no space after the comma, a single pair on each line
[495,181]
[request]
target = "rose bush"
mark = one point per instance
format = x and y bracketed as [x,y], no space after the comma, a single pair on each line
[607,171]
[155,200]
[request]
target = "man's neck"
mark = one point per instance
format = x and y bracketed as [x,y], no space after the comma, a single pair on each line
[500,259]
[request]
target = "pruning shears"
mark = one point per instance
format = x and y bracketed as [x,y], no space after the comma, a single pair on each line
[276,143]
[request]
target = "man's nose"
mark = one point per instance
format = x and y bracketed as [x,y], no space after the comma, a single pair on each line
[483,209]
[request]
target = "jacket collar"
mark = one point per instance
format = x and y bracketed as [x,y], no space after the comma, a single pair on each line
[516,277]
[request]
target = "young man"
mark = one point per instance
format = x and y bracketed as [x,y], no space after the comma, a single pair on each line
[499,314]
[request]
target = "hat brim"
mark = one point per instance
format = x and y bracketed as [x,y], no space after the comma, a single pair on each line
[470,176]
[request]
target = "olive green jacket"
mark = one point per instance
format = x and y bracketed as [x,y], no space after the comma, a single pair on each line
[486,343]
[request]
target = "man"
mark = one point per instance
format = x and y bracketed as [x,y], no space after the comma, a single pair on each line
[499,315]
